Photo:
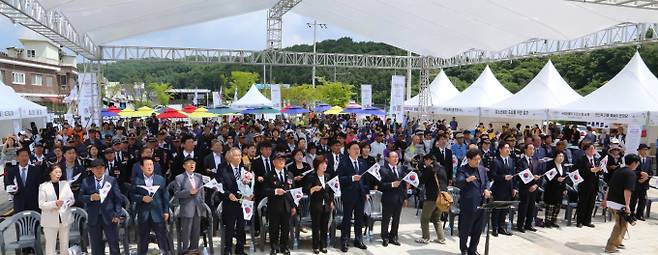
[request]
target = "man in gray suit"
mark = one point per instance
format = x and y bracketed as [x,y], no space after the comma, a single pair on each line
[190,195]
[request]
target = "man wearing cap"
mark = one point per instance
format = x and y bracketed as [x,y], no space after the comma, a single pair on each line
[334,157]
[188,189]
[459,148]
[38,159]
[323,146]
[280,205]
[116,169]
[643,173]
[103,217]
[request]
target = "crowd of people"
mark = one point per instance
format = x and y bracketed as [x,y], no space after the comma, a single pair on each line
[57,168]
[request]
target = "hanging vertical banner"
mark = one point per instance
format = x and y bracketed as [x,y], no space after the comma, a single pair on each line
[633,137]
[89,101]
[397,97]
[366,95]
[216,99]
[276,95]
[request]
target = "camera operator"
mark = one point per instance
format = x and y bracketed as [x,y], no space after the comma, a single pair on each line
[618,198]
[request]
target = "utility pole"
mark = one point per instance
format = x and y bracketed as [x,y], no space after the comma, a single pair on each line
[315,25]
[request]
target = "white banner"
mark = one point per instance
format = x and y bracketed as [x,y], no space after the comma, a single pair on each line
[216,99]
[89,101]
[458,111]
[610,117]
[633,137]
[397,97]
[276,95]
[366,95]
[527,114]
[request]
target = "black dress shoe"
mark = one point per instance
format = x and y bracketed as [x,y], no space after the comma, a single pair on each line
[589,225]
[385,243]
[343,248]
[360,245]
[520,230]
[494,232]
[579,225]
[324,250]
[273,252]
[503,231]
[474,253]
[530,228]
[394,242]
[641,218]
[285,251]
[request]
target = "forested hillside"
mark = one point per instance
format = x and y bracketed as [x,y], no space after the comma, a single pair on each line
[583,71]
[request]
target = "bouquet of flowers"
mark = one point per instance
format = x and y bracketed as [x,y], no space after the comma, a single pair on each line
[246,183]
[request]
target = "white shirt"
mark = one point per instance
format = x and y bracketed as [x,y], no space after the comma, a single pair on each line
[218,158]
[188,154]
[99,182]
[559,168]
[322,182]
[279,174]
[191,178]
[148,181]
[377,148]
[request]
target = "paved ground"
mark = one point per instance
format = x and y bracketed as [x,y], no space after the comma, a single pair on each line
[567,240]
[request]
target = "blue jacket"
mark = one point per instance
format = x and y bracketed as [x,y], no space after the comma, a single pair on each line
[156,208]
[471,195]
[350,190]
[110,208]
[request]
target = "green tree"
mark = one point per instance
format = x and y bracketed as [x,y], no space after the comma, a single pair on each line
[160,93]
[300,95]
[242,81]
[334,93]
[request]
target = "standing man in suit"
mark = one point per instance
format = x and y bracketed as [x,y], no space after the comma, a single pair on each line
[232,216]
[527,192]
[443,155]
[188,152]
[190,195]
[28,179]
[280,205]
[213,160]
[472,180]
[117,170]
[103,216]
[588,169]
[504,187]
[152,207]
[643,173]
[394,196]
[353,193]
[261,166]
[334,157]
[71,167]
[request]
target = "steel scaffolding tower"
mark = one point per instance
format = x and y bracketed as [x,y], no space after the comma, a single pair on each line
[275,22]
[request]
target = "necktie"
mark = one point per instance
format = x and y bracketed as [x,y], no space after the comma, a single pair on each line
[98,184]
[236,173]
[23,174]
[281,177]
[505,159]
[395,170]
[267,165]
[591,161]
[356,166]
[192,181]
[443,153]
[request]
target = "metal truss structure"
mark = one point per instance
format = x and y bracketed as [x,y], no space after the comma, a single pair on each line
[275,22]
[424,83]
[621,35]
[49,23]
[642,4]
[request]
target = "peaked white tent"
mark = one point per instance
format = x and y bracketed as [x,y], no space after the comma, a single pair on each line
[17,112]
[253,98]
[485,91]
[546,91]
[626,98]
[440,90]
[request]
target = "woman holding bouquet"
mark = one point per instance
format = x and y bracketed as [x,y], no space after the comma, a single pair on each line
[322,198]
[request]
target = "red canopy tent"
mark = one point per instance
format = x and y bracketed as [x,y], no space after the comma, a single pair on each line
[113,109]
[189,108]
[171,113]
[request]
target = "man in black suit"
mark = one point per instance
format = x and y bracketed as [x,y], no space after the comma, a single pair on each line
[527,191]
[71,167]
[280,205]
[353,193]
[232,216]
[394,196]
[187,152]
[642,173]
[587,167]
[443,155]
[334,157]
[27,178]
[213,160]
[504,187]
[261,166]
[117,170]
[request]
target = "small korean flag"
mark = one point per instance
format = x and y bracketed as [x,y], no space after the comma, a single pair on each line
[526,176]
[412,178]
[247,209]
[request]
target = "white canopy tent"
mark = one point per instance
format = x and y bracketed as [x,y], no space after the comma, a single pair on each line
[253,98]
[626,98]
[427,27]
[440,90]
[546,91]
[485,91]
[17,112]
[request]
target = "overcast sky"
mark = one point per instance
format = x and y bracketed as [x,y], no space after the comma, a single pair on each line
[240,32]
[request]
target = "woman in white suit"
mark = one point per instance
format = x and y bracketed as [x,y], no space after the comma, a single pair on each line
[55,200]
